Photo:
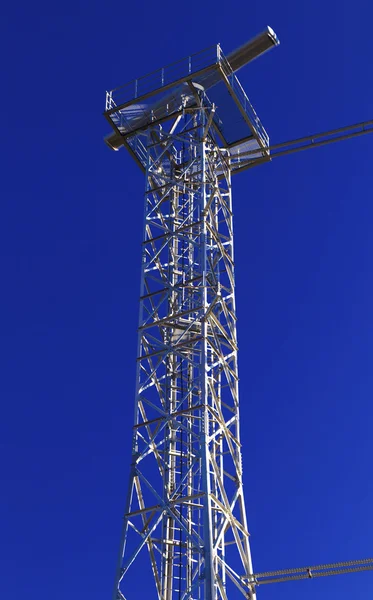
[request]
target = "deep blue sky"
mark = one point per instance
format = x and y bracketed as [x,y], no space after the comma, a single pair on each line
[69,264]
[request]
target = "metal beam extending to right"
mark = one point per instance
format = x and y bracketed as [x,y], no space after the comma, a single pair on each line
[247,160]
[353,566]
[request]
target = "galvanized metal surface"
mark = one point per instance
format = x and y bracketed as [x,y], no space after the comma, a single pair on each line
[185,503]
[162,95]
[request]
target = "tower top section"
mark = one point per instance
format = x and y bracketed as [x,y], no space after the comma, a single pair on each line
[206,79]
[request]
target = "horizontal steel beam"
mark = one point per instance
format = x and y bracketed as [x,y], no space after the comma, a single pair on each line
[303,143]
[353,566]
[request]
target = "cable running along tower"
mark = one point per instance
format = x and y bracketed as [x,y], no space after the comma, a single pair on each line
[190,126]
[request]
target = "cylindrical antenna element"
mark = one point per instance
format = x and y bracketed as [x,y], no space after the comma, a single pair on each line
[252,49]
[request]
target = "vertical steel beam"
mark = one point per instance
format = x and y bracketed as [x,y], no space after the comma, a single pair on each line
[205,446]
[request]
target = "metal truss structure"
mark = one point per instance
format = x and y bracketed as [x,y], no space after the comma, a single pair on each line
[185,503]
[186,500]
[341,568]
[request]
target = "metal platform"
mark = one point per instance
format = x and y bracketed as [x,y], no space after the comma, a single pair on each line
[176,88]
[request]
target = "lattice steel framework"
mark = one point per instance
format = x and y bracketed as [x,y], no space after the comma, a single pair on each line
[185,501]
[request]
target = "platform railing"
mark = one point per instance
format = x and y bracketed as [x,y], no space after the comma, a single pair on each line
[163,77]
[242,97]
[203,63]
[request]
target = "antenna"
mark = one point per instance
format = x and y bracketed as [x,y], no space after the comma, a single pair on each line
[189,126]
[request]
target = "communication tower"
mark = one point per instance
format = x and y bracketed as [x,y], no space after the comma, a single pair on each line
[190,126]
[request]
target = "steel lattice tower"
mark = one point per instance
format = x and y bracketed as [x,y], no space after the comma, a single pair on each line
[186,491]
[185,499]
[190,126]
